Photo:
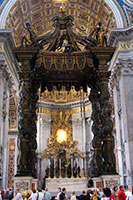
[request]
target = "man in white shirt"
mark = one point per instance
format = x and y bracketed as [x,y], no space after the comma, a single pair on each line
[33,195]
[18,195]
[129,192]
[59,192]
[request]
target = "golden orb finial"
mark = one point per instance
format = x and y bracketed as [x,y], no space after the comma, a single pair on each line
[62,9]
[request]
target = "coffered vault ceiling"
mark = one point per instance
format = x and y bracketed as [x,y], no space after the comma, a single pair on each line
[40,12]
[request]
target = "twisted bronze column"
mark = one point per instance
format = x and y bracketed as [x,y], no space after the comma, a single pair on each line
[26,162]
[103,56]
[109,165]
[96,162]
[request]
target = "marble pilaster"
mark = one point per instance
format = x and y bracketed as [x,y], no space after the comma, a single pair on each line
[121,83]
[5,85]
[1,124]
[5,133]
[43,134]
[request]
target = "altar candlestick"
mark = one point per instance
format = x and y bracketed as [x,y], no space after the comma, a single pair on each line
[48,168]
[74,163]
[77,162]
[71,163]
[54,164]
[59,163]
[54,168]
[71,167]
[59,168]
[49,163]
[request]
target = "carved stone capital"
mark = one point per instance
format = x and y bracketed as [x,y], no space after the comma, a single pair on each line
[117,35]
[115,77]
[6,75]
[124,67]
[76,122]
[45,123]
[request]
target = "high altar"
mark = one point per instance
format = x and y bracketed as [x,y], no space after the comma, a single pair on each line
[59,65]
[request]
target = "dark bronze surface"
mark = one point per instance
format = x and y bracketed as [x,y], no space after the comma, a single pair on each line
[48,67]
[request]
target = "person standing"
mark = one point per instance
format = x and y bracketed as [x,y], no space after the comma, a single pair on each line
[63,195]
[107,194]
[47,195]
[0,196]
[112,188]
[2,193]
[100,192]
[131,197]
[129,192]
[59,192]
[88,195]
[82,196]
[10,194]
[6,195]
[73,196]
[18,195]
[40,195]
[33,196]
[115,193]
[121,193]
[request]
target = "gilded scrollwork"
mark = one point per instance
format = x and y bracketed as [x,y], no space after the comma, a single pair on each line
[62,96]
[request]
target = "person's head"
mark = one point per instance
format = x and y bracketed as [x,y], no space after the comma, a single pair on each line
[92,192]
[39,190]
[100,189]
[73,192]
[107,192]
[59,189]
[130,188]
[88,191]
[17,191]
[122,187]
[83,192]
[64,190]
[34,191]
[115,188]
[46,189]
[95,192]
[112,186]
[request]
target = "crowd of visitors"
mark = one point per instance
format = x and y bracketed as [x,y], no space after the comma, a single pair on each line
[91,194]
